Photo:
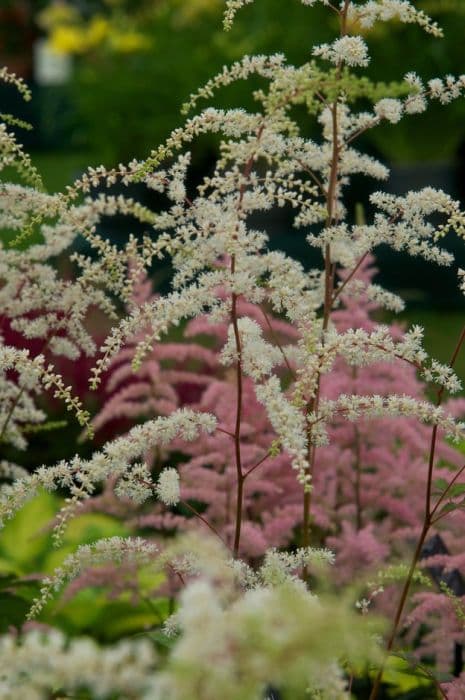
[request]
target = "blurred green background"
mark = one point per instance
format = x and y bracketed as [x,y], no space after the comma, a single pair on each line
[134,62]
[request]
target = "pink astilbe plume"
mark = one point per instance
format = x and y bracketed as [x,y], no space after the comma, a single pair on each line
[190,373]
[368,482]
[373,472]
[173,375]
[272,502]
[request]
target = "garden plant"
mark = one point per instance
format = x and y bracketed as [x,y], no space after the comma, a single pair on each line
[272,475]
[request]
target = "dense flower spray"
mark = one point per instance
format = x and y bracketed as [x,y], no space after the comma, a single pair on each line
[304,397]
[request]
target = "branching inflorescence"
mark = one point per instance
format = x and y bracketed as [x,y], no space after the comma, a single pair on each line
[291,421]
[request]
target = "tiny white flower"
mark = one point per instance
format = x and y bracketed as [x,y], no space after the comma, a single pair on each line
[389,109]
[167,488]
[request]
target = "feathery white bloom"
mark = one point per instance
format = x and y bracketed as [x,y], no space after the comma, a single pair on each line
[385,10]
[37,662]
[116,459]
[389,109]
[106,550]
[347,49]
[289,424]
[257,356]
[354,407]
[232,7]
[167,488]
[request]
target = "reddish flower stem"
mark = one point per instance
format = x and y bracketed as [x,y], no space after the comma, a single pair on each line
[427,522]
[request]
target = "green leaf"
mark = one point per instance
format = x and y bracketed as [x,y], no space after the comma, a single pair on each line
[440,485]
[120,618]
[400,674]
[26,538]
[456,490]
[13,611]
[92,526]
[448,508]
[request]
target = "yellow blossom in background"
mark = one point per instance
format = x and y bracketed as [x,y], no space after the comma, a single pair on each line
[79,38]
[70,34]
[57,14]
[192,9]
[68,39]
[98,30]
[129,42]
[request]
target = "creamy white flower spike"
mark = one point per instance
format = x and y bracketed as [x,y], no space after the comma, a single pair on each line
[258,357]
[351,50]
[167,488]
[389,109]
[368,13]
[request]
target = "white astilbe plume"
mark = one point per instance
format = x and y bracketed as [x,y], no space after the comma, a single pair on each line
[11,471]
[289,424]
[80,477]
[351,50]
[17,407]
[264,66]
[35,664]
[240,629]
[167,488]
[389,109]
[368,13]
[232,7]
[280,567]
[111,550]
[257,356]
[237,631]
[158,316]
[355,407]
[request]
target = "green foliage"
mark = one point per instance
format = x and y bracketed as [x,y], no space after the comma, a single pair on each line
[26,550]
[129,102]
[15,599]
[26,541]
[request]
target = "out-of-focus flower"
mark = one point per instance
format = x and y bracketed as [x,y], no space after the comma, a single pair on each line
[129,42]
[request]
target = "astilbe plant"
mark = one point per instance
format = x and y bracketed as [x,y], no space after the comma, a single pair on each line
[190,373]
[368,496]
[369,467]
[265,625]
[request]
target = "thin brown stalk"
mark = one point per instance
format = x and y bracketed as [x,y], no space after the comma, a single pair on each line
[354,271]
[226,432]
[329,284]
[358,481]
[424,532]
[255,466]
[313,176]
[400,606]
[444,494]
[204,520]
[10,413]
[239,373]
[237,431]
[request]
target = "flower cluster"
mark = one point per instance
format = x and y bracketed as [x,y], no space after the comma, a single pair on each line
[114,549]
[289,414]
